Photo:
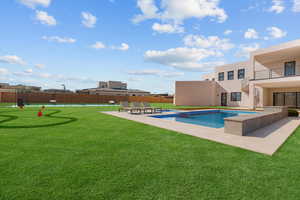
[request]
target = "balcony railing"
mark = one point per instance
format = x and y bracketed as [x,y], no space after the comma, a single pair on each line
[275,73]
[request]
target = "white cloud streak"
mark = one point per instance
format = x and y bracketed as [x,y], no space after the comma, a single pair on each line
[12,59]
[276,33]
[167,28]
[154,72]
[34,3]
[88,20]
[251,34]
[98,45]
[178,11]
[245,50]
[277,6]
[296,6]
[213,42]
[183,58]
[44,18]
[59,39]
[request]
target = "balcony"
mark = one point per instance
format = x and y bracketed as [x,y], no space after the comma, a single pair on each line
[275,73]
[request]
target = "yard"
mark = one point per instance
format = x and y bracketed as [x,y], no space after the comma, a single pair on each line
[79,153]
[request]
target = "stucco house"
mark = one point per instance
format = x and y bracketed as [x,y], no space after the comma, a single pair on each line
[271,77]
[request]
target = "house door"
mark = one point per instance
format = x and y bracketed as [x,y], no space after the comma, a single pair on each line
[224,99]
[290,99]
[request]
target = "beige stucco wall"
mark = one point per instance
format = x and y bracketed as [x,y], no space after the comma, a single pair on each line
[208,93]
[235,85]
[195,93]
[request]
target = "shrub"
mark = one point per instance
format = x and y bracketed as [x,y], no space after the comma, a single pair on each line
[293,113]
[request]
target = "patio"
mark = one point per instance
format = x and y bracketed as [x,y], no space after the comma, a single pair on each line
[266,140]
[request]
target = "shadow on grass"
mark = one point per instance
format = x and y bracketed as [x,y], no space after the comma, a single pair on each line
[50,115]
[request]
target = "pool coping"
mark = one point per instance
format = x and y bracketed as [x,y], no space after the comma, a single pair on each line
[266,140]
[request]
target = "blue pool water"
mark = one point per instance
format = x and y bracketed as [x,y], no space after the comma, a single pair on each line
[209,118]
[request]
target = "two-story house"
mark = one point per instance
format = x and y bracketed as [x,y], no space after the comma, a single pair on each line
[270,78]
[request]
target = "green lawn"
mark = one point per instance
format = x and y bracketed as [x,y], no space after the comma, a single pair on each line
[79,153]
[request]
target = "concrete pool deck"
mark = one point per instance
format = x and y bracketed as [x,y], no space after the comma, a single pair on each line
[266,140]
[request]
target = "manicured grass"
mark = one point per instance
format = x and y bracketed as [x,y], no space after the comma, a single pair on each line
[98,156]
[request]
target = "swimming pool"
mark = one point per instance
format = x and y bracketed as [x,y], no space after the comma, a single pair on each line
[209,118]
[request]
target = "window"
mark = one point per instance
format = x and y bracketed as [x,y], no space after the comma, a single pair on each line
[290,68]
[221,76]
[241,73]
[230,75]
[236,96]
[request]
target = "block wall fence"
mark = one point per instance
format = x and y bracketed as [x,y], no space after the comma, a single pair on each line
[9,97]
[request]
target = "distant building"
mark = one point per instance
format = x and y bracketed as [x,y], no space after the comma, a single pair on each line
[118,85]
[102,84]
[20,88]
[113,88]
[4,85]
[60,91]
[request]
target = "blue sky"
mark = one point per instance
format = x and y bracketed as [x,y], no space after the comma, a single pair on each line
[147,43]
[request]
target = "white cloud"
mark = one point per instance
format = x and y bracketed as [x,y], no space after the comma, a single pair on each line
[40,66]
[213,42]
[296,6]
[12,59]
[35,3]
[245,50]
[182,58]
[154,72]
[277,7]
[178,11]
[276,33]
[88,20]
[59,39]
[28,71]
[167,28]
[22,74]
[228,32]
[148,9]
[134,79]
[251,34]
[123,47]
[44,18]
[98,45]
[3,71]
[44,75]
[172,74]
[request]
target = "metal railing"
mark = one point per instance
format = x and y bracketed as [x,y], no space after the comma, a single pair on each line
[275,73]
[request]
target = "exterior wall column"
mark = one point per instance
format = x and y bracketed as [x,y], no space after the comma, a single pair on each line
[252,101]
[252,67]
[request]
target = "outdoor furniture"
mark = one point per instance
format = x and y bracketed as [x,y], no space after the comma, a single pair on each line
[147,106]
[136,108]
[124,106]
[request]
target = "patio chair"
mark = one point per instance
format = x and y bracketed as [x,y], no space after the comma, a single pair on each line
[136,108]
[124,106]
[147,106]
